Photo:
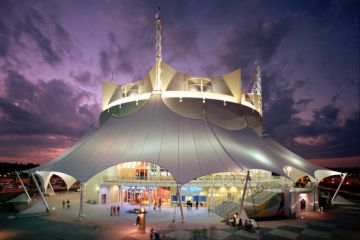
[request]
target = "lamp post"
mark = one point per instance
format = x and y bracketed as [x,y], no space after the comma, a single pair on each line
[141,221]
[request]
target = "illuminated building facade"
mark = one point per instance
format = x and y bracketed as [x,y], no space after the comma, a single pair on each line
[177,137]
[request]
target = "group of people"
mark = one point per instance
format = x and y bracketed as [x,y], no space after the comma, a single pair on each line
[189,205]
[248,225]
[67,204]
[157,205]
[236,221]
[114,210]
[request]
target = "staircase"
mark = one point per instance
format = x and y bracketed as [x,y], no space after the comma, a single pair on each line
[252,204]
[226,209]
[259,197]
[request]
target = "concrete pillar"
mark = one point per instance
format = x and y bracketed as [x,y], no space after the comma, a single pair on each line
[287,201]
[51,188]
[39,190]
[212,194]
[179,197]
[81,209]
[23,186]
[121,196]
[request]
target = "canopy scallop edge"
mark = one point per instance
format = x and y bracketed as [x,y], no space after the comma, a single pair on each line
[187,148]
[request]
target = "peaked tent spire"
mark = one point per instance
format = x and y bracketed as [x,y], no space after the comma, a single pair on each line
[158,51]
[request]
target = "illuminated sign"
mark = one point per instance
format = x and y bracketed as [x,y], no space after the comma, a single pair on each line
[192,189]
[139,187]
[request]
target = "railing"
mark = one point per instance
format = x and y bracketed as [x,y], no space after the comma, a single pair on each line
[217,181]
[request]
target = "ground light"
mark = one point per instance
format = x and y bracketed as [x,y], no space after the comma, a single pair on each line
[142,222]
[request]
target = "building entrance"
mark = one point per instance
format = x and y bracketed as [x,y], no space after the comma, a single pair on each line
[145,194]
[103,198]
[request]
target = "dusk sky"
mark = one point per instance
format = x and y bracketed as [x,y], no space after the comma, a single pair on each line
[54,55]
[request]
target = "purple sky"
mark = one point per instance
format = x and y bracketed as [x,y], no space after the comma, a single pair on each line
[55,54]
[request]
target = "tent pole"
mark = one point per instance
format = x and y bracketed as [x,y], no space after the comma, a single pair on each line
[39,190]
[243,195]
[81,210]
[180,204]
[337,190]
[121,195]
[315,192]
[52,189]
[148,188]
[23,186]
[150,197]
[212,194]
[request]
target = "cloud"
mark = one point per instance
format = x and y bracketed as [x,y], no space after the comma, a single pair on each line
[335,139]
[114,57]
[14,82]
[6,10]
[84,78]
[329,133]
[33,31]
[46,117]
[4,40]
[52,107]
[180,41]
[241,44]
[28,27]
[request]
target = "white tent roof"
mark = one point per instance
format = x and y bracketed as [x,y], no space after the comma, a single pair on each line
[19,199]
[188,148]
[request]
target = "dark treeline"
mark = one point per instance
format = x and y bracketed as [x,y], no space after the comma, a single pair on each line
[354,170]
[11,167]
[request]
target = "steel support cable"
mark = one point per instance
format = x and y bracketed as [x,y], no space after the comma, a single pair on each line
[217,138]
[162,139]
[78,165]
[178,148]
[146,48]
[91,139]
[118,136]
[102,158]
[82,141]
[196,150]
[86,139]
[148,128]
[207,133]
[172,33]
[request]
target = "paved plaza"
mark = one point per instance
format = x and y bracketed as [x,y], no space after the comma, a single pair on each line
[342,222]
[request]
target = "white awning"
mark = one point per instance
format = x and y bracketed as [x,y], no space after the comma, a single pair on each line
[187,148]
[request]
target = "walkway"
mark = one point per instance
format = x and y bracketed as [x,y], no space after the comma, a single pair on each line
[63,224]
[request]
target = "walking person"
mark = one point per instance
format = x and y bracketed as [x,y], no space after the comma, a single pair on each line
[159,206]
[118,210]
[63,203]
[197,205]
[114,210]
[240,223]
[138,220]
[154,235]
[302,205]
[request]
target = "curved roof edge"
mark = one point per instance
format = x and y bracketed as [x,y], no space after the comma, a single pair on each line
[188,148]
[175,84]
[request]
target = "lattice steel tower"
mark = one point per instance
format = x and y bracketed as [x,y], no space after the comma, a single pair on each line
[158,51]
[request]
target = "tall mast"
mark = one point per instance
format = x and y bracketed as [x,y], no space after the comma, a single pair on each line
[158,51]
[257,84]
